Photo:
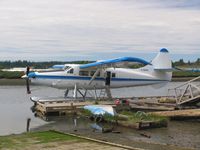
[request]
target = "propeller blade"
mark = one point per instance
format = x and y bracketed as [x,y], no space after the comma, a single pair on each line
[27,70]
[28,86]
[27,81]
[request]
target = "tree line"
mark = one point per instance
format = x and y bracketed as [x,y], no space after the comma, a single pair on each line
[48,64]
[36,65]
[181,62]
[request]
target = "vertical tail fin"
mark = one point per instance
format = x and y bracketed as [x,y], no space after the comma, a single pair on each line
[162,67]
[162,61]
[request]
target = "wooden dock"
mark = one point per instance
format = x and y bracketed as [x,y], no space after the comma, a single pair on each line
[150,103]
[63,107]
[180,114]
[143,124]
[151,106]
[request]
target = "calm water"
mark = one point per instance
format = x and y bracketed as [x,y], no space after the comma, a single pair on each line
[15,109]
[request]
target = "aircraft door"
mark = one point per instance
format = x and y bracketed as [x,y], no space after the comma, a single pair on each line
[108,78]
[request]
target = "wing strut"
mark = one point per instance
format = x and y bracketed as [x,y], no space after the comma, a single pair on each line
[91,80]
[75,92]
[94,76]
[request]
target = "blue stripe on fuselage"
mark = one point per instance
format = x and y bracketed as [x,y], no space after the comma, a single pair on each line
[89,78]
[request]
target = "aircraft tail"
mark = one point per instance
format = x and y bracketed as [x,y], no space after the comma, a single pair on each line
[162,61]
[162,66]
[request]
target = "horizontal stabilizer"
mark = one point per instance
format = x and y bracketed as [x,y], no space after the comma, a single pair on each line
[165,69]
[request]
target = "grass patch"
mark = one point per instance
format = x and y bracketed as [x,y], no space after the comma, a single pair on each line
[141,116]
[141,120]
[85,112]
[26,139]
[6,142]
[138,120]
[49,136]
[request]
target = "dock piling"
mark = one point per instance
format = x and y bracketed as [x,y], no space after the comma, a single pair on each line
[28,124]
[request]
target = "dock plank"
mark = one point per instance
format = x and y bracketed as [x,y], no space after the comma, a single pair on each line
[65,107]
[179,113]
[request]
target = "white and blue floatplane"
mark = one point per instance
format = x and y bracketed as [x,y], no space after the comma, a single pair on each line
[105,74]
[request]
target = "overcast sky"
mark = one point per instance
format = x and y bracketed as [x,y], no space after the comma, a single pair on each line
[98,29]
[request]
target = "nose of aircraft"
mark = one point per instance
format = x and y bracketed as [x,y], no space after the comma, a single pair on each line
[30,75]
[24,76]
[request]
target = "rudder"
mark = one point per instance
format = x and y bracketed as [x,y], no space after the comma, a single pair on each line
[162,61]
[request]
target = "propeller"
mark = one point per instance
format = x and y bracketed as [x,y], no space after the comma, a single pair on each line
[27,81]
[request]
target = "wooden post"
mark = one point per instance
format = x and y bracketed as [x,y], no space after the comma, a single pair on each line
[28,124]
[75,123]
[73,109]
[74,118]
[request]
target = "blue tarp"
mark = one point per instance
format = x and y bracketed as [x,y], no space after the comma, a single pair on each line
[100,109]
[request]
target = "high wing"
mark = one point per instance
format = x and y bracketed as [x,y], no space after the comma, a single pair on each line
[113,62]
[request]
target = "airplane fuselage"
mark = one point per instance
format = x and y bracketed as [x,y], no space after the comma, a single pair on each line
[114,77]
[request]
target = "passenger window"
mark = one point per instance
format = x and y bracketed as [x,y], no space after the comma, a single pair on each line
[83,73]
[113,75]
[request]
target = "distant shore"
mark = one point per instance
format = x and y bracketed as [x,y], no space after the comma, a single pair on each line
[12,82]
[22,81]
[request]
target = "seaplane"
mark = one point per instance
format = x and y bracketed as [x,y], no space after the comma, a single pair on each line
[104,75]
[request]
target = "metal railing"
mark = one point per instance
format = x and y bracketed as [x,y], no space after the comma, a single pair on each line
[186,91]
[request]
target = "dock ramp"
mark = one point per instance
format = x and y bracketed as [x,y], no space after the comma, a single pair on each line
[188,93]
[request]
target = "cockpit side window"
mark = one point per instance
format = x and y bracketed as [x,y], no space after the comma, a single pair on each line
[71,71]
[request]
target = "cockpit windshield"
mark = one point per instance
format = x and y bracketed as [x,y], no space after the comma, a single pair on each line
[67,67]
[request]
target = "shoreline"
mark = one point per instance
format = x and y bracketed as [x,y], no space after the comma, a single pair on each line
[64,140]
[182,79]
[4,82]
